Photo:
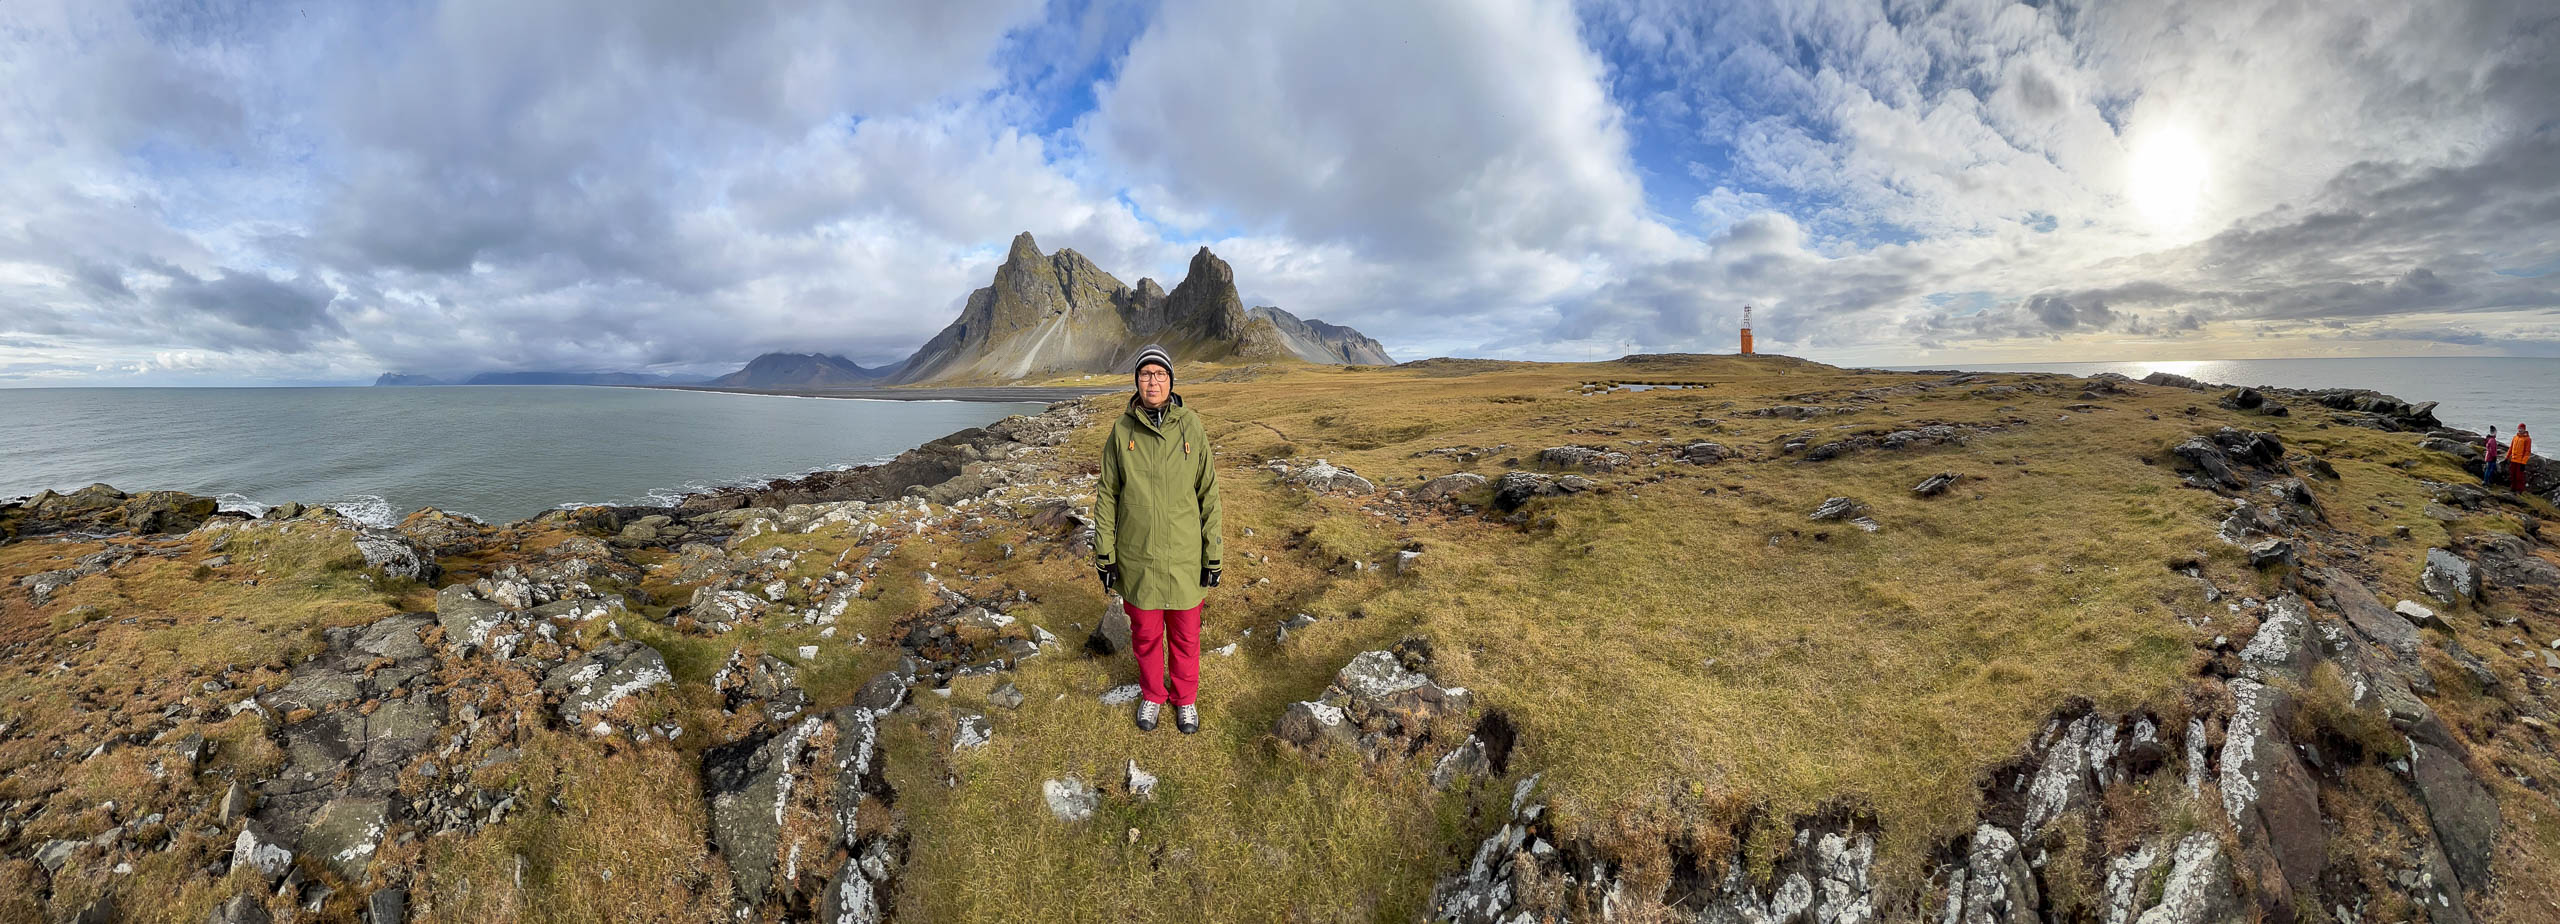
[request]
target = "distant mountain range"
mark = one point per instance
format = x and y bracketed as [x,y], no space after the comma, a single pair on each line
[1044,315]
[792,370]
[544,378]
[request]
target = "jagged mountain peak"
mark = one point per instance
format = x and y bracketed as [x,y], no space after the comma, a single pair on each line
[1024,250]
[1060,313]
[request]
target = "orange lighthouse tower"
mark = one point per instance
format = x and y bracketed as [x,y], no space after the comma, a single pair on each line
[1746,330]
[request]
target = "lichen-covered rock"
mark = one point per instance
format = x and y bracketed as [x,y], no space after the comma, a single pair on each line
[392,554]
[594,683]
[1703,452]
[1516,488]
[767,686]
[1838,508]
[2448,578]
[1995,883]
[1934,485]
[2280,649]
[1321,477]
[971,731]
[346,833]
[256,849]
[1448,486]
[2275,553]
[749,788]
[1585,458]
[2268,796]
[721,605]
[1376,675]
[2199,887]
[1309,723]
[1071,799]
[469,620]
[1379,701]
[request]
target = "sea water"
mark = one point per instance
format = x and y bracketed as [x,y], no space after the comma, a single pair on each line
[497,453]
[2472,392]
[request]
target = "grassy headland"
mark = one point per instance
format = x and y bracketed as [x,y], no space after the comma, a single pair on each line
[1691,661]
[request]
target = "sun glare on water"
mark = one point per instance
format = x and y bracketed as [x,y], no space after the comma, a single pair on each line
[2167,177]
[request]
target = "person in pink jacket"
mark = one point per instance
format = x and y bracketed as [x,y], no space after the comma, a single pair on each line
[2490,453]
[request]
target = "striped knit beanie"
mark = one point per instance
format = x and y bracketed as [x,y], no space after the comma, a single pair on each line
[1153,354]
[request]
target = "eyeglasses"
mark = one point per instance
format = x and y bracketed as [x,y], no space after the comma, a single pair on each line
[1155,377]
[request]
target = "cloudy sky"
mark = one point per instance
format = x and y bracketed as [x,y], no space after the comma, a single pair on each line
[216,193]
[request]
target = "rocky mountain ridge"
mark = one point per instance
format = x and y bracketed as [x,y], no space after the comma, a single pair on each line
[1043,315]
[802,370]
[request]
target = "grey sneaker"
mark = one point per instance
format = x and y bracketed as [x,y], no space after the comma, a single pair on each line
[1147,712]
[1187,718]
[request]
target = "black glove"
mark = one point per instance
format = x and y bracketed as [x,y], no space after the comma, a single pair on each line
[1209,576]
[1110,575]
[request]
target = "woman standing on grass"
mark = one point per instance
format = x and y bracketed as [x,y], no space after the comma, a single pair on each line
[1157,538]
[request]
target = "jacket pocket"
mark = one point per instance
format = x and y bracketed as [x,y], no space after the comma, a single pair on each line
[1174,536]
[1140,532]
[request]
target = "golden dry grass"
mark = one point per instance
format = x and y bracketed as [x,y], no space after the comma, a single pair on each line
[1654,642]
[1675,648]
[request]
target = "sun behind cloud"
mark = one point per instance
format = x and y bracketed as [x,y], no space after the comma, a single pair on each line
[2166,178]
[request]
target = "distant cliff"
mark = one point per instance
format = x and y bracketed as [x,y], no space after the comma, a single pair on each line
[1318,342]
[801,370]
[541,378]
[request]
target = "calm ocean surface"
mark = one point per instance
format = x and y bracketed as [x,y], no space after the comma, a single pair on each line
[499,453]
[2474,392]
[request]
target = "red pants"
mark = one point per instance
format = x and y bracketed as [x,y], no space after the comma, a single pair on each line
[2516,473]
[1146,638]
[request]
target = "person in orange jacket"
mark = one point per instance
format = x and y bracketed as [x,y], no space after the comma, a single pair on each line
[2519,452]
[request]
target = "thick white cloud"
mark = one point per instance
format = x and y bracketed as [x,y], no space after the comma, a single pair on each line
[1967,172]
[1419,170]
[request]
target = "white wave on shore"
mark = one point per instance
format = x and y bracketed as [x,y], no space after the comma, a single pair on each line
[368,509]
[239,503]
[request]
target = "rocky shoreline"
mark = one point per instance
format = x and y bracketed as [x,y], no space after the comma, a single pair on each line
[997,393]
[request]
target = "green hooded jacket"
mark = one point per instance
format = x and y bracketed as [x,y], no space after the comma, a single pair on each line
[1157,515]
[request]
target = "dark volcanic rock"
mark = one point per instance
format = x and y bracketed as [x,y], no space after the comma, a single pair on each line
[2232,459]
[1514,489]
[930,464]
[785,811]
[101,510]
[748,785]
[367,719]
